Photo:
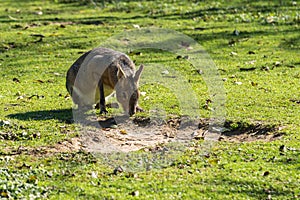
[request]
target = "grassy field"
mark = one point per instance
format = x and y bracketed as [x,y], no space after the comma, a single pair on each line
[255,46]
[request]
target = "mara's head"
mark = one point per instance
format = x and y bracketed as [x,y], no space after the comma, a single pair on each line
[127,91]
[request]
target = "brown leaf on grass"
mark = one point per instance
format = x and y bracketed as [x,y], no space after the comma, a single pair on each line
[207,104]
[277,64]
[137,53]
[238,83]
[169,132]
[39,81]
[182,57]
[20,97]
[251,62]
[135,193]
[36,135]
[118,170]
[200,28]
[297,101]
[233,53]
[37,96]
[282,148]
[265,68]
[266,173]
[136,26]
[13,18]
[16,80]
[253,83]
[236,32]
[23,166]
[67,96]
[199,134]
[247,68]
[123,131]
[37,35]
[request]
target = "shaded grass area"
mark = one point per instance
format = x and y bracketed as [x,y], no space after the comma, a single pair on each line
[41,39]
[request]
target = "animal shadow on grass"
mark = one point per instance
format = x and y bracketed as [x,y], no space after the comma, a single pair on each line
[62,115]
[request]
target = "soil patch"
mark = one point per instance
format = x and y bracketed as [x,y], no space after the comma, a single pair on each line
[150,134]
[141,133]
[70,145]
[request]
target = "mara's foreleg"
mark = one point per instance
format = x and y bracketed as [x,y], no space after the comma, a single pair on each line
[102,97]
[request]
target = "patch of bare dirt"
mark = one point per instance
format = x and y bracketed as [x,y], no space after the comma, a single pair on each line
[70,145]
[143,133]
[136,134]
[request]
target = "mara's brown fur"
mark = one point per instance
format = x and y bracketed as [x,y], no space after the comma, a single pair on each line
[99,72]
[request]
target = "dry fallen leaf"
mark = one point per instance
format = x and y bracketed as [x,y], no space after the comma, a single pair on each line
[266,173]
[235,32]
[136,26]
[265,68]
[39,81]
[253,83]
[118,170]
[16,80]
[94,174]
[165,72]
[251,62]
[37,35]
[247,68]
[199,135]
[277,64]
[13,18]
[233,53]
[135,193]
[297,101]
[39,13]
[282,148]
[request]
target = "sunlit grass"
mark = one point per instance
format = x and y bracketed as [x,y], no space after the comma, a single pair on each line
[41,39]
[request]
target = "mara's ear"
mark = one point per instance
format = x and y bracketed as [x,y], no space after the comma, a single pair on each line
[120,73]
[138,73]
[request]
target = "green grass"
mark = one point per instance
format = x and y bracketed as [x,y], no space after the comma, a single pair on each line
[35,112]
